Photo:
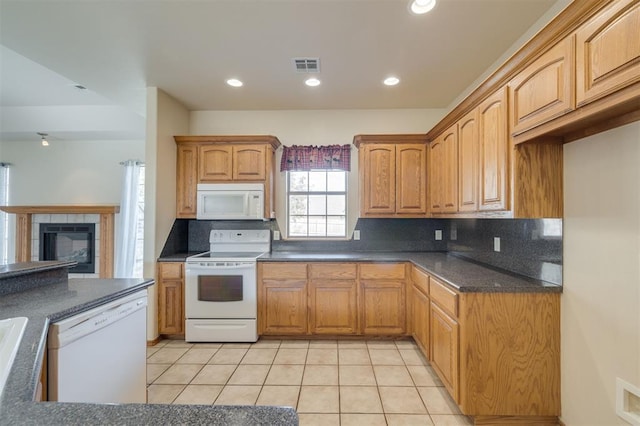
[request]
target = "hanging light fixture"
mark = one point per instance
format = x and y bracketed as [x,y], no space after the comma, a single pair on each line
[45,142]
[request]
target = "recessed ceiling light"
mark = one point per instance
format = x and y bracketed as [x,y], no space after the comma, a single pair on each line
[234,82]
[391,81]
[313,82]
[419,7]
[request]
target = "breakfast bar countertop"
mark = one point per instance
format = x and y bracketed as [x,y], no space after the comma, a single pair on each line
[52,297]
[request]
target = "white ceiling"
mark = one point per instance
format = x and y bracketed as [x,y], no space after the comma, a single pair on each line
[189,48]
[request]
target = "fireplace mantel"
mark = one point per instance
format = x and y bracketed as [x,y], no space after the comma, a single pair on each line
[24,224]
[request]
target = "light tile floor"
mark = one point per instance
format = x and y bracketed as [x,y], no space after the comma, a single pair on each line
[328,382]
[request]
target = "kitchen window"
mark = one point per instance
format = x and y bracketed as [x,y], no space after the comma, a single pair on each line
[317,204]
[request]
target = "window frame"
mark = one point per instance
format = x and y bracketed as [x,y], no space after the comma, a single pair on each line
[344,193]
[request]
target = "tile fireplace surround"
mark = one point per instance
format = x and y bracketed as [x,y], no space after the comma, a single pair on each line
[28,219]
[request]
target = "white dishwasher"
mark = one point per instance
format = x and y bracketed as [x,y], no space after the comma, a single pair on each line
[100,355]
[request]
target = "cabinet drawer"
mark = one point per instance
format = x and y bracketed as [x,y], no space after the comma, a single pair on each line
[284,270]
[169,270]
[381,271]
[420,280]
[445,298]
[333,271]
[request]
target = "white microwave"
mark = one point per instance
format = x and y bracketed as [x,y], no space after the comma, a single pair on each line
[230,201]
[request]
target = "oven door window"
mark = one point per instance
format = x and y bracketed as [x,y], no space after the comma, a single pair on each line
[220,288]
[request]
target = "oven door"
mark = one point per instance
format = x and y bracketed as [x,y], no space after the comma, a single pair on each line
[218,290]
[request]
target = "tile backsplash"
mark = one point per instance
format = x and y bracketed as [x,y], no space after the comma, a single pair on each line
[530,247]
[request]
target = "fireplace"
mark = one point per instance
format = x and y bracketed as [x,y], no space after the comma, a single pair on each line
[69,242]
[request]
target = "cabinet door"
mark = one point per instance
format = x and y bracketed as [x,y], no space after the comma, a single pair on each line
[378,179]
[494,152]
[333,307]
[383,307]
[411,179]
[545,89]
[186,182]
[468,163]
[608,51]
[249,162]
[420,311]
[215,163]
[444,349]
[436,181]
[170,298]
[284,307]
[450,171]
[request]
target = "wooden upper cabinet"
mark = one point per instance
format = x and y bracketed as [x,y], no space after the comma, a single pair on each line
[608,51]
[411,179]
[468,151]
[494,152]
[378,179]
[450,171]
[186,181]
[215,163]
[249,162]
[223,159]
[436,168]
[392,175]
[545,89]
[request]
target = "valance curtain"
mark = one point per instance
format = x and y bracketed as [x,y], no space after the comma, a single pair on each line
[305,158]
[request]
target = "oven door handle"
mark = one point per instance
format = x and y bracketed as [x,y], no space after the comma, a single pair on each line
[204,267]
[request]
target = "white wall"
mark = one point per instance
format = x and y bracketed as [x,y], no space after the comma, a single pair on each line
[601,296]
[557,7]
[314,127]
[166,117]
[65,172]
[68,172]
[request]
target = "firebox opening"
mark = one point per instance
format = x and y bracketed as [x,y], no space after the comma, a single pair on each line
[69,242]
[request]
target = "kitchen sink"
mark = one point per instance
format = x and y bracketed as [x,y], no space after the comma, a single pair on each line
[11,331]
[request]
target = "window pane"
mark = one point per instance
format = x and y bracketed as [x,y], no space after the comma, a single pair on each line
[313,213]
[336,181]
[299,181]
[317,181]
[298,226]
[317,204]
[297,204]
[336,204]
[336,226]
[317,226]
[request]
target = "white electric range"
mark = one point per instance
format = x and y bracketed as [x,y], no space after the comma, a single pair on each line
[221,288]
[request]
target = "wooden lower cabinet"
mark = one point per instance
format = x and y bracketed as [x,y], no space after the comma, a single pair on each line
[282,306]
[333,298]
[444,349]
[421,320]
[171,298]
[498,354]
[382,297]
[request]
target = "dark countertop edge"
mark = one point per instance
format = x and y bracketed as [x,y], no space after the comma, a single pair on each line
[534,285]
[25,268]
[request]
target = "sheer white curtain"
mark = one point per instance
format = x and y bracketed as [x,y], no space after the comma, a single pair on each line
[128,221]
[4,217]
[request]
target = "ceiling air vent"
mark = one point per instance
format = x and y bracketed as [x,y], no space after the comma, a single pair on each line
[306,65]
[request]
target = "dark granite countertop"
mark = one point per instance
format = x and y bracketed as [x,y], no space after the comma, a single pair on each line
[65,298]
[464,275]
[24,268]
